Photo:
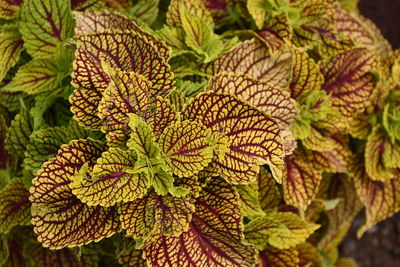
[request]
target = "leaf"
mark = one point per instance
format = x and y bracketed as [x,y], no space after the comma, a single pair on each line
[163,115]
[15,206]
[253,136]
[142,140]
[278,257]
[116,177]
[45,25]
[195,7]
[93,22]
[309,255]
[306,75]
[252,58]
[145,10]
[349,80]
[37,76]
[275,32]
[11,47]
[186,148]
[282,230]
[18,133]
[249,200]
[9,9]
[300,181]
[127,92]
[214,236]
[258,10]
[128,256]
[272,100]
[166,215]
[269,194]
[44,144]
[377,146]
[342,216]
[200,37]
[59,218]
[380,198]
[113,49]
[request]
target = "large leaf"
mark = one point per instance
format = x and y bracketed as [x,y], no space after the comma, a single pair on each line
[253,136]
[186,148]
[45,25]
[349,80]
[214,236]
[252,58]
[115,178]
[126,51]
[101,21]
[14,206]
[11,47]
[59,218]
[282,230]
[272,100]
[300,181]
[380,198]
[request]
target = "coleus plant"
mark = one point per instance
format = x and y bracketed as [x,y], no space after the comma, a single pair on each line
[193,133]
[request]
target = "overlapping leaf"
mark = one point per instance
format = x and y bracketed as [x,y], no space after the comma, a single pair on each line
[214,236]
[125,51]
[60,219]
[306,74]
[253,136]
[278,257]
[11,47]
[282,230]
[45,25]
[272,100]
[349,80]
[380,198]
[165,215]
[269,194]
[252,58]
[249,199]
[186,148]
[379,153]
[14,205]
[300,181]
[87,23]
[275,32]
[129,256]
[18,133]
[9,8]
[196,7]
[115,178]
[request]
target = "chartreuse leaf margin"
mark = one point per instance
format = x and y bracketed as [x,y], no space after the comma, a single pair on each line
[193,133]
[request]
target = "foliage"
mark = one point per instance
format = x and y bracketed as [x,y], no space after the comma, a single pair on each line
[193,133]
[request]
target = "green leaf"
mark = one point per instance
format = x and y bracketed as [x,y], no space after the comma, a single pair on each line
[45,25]
[11,47]
[115,178]
[258,10]
[14,206]
[249,200]
[18,134]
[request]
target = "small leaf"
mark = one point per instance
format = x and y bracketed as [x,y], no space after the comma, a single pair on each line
[11,47]
[167,215]
[14,206]
[249,200]
[195,7]
[269,195]
[45,25]
[18,134]
[278,257]
[9,9]
[115,178]
[185,148]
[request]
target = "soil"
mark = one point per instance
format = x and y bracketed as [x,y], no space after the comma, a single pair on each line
[380,245]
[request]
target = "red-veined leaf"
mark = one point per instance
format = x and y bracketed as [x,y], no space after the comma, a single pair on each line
[14,205]
[253,136]
[273,257]
[275,32]
[9,8]
[269,194]
[19,132]
[214,236]
[195,7]
[60,219]
[11,47]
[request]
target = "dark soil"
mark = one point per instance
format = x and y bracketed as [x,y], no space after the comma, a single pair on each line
[380,245]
